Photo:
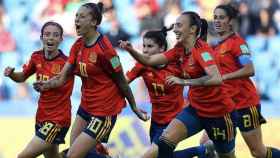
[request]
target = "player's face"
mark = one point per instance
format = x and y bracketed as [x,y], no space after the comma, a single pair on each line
[84,21]
[221,21]
[181,28]
[51,38]
[150,47]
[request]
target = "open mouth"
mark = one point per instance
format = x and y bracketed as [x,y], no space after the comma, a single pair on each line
[178,35]
[50,44]
[78,27]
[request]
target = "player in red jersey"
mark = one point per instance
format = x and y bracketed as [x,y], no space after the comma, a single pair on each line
[104,87]
[236,68]
[53,117]
[210,106]
[167,101]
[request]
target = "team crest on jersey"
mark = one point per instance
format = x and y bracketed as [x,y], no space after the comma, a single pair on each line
[92,57]
[55,69]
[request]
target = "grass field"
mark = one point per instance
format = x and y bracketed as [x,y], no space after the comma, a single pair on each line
[125,139]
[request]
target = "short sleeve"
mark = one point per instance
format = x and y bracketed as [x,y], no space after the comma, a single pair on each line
[30,67]
[135,72]
[205,57]
[73,52]
[173,54]
[240,47]
[109,59]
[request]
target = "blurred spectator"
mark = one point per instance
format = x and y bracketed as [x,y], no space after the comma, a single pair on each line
[246,26]
[7,41]
[148,13]
[4,90]
[116,32]
[266,25]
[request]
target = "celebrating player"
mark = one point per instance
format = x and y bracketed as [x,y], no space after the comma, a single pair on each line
[104,87]
[53,117]
[210,107]
[236,68]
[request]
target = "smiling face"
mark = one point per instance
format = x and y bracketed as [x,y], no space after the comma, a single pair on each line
[84,21]
[182,28]
[51,37]
[150,47]
[222,22]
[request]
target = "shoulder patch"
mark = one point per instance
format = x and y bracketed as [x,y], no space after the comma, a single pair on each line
[115,62]
[244,49]
[206,56]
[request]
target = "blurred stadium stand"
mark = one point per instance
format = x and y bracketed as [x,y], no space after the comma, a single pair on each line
[21,20]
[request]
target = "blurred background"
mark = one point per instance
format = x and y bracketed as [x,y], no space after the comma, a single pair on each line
[20,24]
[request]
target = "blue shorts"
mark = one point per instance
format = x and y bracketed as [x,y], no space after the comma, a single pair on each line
[51,132]
[98,127]
[249,118]
[156,131]
[221,130]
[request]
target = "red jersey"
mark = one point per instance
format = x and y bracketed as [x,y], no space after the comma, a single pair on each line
[210,101]
[55,104]
[166,100]
[243,90]
[95,65]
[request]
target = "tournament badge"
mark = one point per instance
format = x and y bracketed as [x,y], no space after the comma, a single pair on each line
[55,69]
[92,57]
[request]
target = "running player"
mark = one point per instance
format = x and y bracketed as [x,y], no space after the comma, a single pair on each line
[236,69]
[53,117]
[166,100]
[210,107]
[104,87]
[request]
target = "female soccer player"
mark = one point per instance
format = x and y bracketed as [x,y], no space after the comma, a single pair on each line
[53,116]
[210,107]
[166,100]
[104,87]
[236,68]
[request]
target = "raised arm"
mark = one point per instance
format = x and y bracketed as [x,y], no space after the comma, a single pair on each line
[15,76]
[153,60]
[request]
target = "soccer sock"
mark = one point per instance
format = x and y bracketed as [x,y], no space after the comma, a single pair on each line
[191,152]
[165,148]
[272,152]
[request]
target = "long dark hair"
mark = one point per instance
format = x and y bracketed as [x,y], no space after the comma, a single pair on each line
[200,23]
[159,36]
[96,11]
[54,24]
[230,11]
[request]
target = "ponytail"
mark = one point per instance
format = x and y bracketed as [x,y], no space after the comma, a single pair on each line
[159,36]
[203,30]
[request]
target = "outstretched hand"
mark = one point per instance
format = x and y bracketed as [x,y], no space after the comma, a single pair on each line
[8,71]
[126,45]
